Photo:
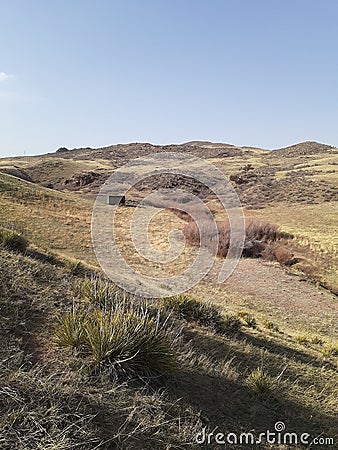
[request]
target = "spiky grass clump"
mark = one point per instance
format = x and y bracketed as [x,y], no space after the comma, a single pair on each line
[302,339]
[95,290]
[74,266]
[205,314]
[70,329]
[99,291]
[271,326]
[229,325]
[316,340]
[259,381]
[124,337]
[330,349]
[133,342]
[193,310]
[12,240]
[248,319]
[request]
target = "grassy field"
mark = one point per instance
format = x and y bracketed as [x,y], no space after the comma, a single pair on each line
[239,382]
[52,220]
[257,349]
[316,235]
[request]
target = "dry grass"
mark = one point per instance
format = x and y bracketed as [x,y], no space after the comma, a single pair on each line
[212,370]
[315,242]
[51,220]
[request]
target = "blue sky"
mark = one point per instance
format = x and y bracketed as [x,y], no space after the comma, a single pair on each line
[92,73]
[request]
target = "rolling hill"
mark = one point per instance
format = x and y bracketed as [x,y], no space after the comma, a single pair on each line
[277,363]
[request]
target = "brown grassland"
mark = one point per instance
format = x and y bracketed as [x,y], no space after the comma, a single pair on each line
[86,365]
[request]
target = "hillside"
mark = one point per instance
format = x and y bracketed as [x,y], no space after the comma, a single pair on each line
[292,186]
[283,174]
[259,348]
[214,385]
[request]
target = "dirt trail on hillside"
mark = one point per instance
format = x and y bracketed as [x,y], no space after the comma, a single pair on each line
[285,299]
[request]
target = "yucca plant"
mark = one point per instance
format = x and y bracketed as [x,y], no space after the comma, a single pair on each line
[126,337]
[193,310]
[259,381]
[70,329]
[302,339]
[130,342]
[229,324]
[248,319]
[96,290]
[206,314]
[271,326]
[330,349]
[74,267]
[12,240]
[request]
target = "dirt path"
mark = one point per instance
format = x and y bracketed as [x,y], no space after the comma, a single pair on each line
[287,300]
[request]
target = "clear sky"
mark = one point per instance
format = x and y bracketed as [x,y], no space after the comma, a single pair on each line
[92,73]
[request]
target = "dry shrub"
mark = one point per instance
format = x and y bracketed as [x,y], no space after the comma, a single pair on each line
[253,249]
[280,254]
[284,256]
[224,238]
[202,233]
[257,230]
[181,214]
[258,236]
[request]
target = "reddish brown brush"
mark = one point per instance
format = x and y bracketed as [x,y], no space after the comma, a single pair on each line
[258,235]
[181,214]
[280,254]
[262,231]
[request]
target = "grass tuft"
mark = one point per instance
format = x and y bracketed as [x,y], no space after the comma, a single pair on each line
[259,381]
[123,338]
[330,349]
[205,314]
[74,266]
[70,329]
[271,326]
[248,319]
[12,240]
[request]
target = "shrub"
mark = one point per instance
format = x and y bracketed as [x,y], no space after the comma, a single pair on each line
[248,319]
[330,349]
[258,234]
[205,314]
[271,326]
[126,337]
[280,254]
[259,381]
[257,230]
[74,267]
[12,240]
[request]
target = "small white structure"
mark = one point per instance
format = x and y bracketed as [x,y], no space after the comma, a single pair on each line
[116,199]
